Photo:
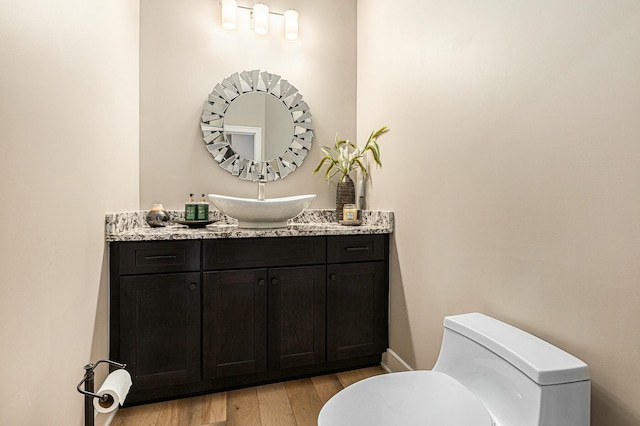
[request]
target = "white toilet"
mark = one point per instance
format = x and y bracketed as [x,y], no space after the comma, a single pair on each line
[488,373]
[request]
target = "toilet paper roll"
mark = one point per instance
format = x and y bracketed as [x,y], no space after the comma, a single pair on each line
[116,387]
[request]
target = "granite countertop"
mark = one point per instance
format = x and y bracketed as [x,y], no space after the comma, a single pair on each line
[131,226]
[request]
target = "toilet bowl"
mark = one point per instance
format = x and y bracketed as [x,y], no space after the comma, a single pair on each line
[488,373]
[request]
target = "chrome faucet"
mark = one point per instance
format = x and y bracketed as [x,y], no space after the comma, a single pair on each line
[262,183]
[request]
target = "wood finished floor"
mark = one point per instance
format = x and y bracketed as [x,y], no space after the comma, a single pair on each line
[292,403]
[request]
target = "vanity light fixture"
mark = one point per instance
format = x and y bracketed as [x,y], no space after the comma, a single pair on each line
[261,18]
[229,14]
[260,15]
[291,24]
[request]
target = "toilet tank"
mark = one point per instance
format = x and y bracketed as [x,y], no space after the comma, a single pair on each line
[521,379]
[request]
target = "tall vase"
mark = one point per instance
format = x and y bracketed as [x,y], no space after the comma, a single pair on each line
[345,194]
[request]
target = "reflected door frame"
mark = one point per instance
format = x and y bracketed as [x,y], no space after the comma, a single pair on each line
[254,132]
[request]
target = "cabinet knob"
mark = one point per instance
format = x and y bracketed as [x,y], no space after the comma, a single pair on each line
[261,282]
[274,281]
[192,286]
[333,277]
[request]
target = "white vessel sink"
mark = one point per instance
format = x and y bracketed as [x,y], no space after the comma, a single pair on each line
[269,213]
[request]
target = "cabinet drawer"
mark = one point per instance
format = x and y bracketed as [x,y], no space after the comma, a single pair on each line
[263,252]
[355,248]
[162,256]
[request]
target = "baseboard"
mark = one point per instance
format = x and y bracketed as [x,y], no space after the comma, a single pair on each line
[392,362]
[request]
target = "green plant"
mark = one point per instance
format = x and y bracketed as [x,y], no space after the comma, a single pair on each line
[345,156]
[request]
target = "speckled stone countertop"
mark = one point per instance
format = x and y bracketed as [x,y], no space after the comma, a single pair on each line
[131,226]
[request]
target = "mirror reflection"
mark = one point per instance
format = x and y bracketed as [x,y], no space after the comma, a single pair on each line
[258,126]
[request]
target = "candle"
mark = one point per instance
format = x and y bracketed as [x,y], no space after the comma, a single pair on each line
[349,212]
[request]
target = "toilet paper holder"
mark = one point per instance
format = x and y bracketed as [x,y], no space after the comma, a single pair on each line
[88,391]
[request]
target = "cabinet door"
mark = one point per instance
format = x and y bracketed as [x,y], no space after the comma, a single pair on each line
[160,328]
[356,310]
[296,316]
[234,323]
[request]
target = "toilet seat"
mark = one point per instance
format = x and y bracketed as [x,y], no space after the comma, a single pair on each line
[408,398]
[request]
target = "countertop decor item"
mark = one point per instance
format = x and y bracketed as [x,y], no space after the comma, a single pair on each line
[345,157]
[356,222]
[196,223]
[350,212]
[157,216]
[345,195]
[191,209]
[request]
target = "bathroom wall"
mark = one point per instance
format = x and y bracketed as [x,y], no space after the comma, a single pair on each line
[184,53]
[513,165]
[68,154]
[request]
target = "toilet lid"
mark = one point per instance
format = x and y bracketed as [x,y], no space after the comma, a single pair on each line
[409,398]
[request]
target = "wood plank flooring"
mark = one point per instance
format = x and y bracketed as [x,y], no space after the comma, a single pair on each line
[292,403]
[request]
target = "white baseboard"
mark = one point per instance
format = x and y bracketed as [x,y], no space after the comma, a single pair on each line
[392,362]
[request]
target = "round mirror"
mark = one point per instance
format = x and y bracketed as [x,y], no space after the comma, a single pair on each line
[257,126]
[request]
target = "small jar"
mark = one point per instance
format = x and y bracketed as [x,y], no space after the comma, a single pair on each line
[349,213]
[157,216]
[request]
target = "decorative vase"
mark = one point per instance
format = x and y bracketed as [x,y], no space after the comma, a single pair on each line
[345,194]
[157,216]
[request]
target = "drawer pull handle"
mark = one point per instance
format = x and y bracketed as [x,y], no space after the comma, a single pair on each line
[274,281]
[332,277]
[161,256]
[365,248]
[261,282]
[192,286]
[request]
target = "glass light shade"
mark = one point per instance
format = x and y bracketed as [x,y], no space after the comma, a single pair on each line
[291,24]
[261,18]
[229,14]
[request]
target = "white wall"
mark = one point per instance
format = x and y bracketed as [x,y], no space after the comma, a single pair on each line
[184,53]
[513,166]
[68,154]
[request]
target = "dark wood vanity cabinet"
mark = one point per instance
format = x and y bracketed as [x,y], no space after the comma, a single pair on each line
[356,310]
[155,318]
[297,300]
[160,328]
[190,317]
[234,315]
[357,296]
[259,319]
